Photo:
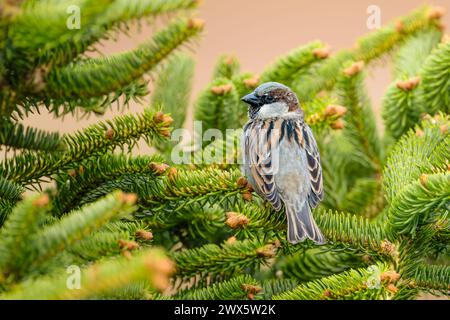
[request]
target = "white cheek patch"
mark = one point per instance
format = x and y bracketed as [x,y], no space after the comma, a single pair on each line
[275,109]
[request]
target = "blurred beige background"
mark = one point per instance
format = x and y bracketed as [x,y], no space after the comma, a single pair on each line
[257,31]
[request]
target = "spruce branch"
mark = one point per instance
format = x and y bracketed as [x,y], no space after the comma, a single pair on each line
[352,231]
[188,187]
[18,230]
[405,100]
[100,76]
[383,40]
[237,288]
[99,279]
[352,284]
[41,245]
[244,83]
[176,191]
[142,184]
[218,105]
[273,287]
[116,237]
[412,250]
[316,263]
[94,140]
[342,166]
[224,152]
[199,221]
[123,10]
[413,52]
[7,101]
[40,30]
[77,182]
[17,136]
[433,278]
[367,48]
[441,227]
[227,66]
[402,106]
[34,55]
[415,154]
[172,92]
[10,191]
[257,216]
[436,80]
[61,235]
[365,197]
[141,290]
[286,68]
[321,115]
[39,33]
[227,259]
[5,209]
[360,121]
[81,106]
[415,203]
[322,77]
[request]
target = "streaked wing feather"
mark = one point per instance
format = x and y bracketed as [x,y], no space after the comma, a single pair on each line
[314,167]
[259,159]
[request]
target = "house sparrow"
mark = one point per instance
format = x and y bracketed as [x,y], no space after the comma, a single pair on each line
[281,159]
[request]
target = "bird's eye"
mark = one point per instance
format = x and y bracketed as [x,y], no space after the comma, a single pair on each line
[268,99]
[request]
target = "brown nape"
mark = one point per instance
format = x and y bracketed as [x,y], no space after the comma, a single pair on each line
[287,96]
[292,101]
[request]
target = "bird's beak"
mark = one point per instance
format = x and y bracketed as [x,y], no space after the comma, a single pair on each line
[251,99]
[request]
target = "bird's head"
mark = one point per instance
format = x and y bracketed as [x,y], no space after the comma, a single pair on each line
[272,100]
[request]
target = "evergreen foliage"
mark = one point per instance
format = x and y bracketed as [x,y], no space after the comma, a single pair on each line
[148,227]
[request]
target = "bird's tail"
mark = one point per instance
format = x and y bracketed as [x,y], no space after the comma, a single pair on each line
[301,225]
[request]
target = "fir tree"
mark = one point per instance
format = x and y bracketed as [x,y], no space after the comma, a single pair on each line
[145,227]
